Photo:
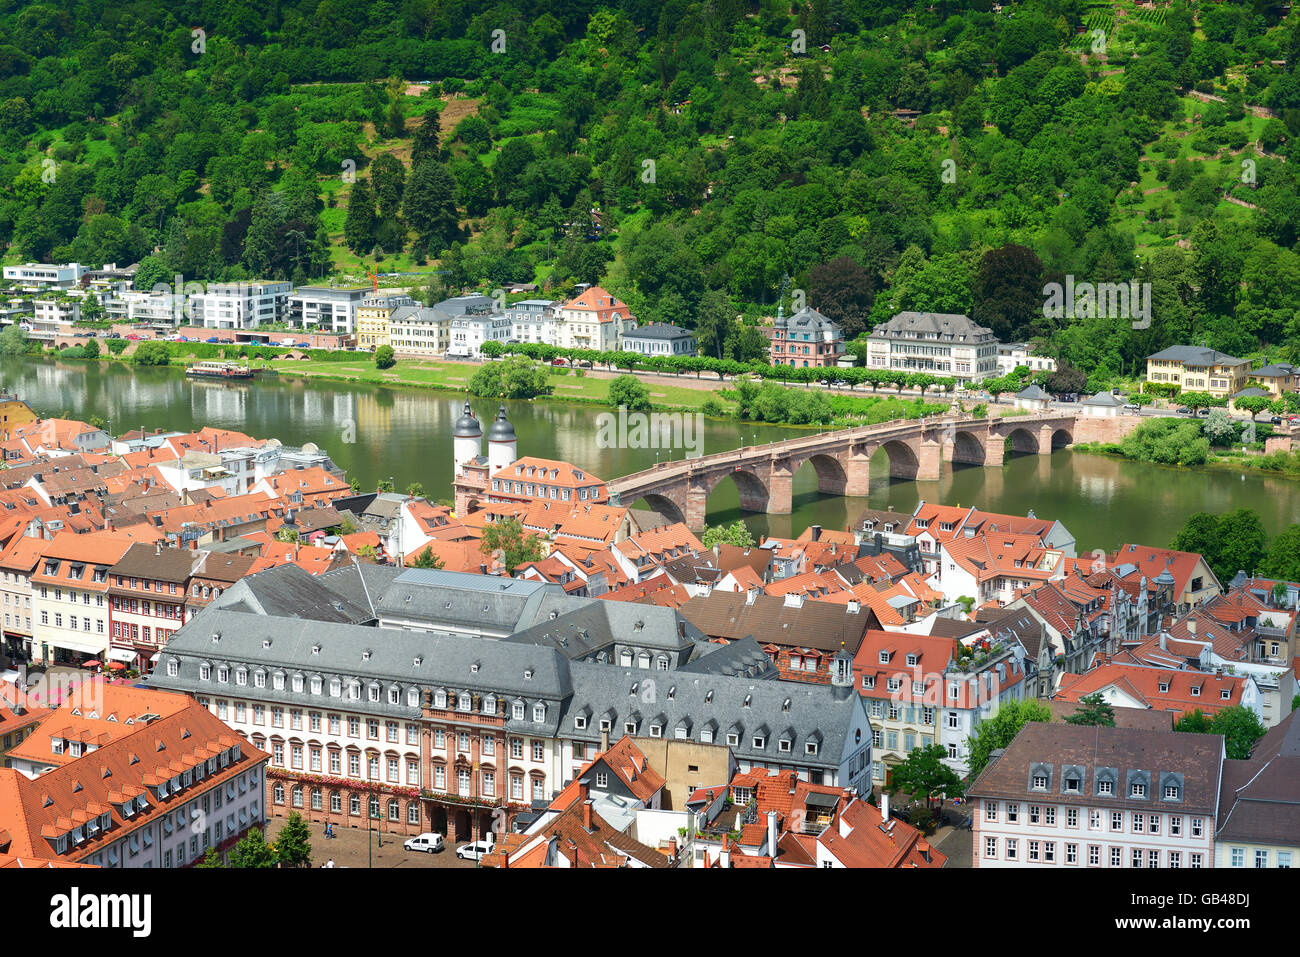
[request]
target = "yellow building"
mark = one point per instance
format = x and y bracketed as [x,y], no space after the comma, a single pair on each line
[1199,369]
[13,412]
[372,318]
[1278,378]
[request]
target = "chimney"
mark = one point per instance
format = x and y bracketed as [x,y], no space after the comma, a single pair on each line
[586,815]
[672,848]
[724,859]
[482,569]
[884,807]
[582,790]
[750,595]
[1191,627]
[157,548]
[771,833]
[816,531]
[604,740]
[1163,646]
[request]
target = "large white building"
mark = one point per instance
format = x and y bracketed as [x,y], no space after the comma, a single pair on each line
[594,319]
[46,275]
[943,344]
[1065,796]
[240,305]
[326,308]
[534,320]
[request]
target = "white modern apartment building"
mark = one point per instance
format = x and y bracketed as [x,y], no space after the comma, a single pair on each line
[1064,796]
[45,275]
[239,305]
[52,318]
[326,308]
[130,305]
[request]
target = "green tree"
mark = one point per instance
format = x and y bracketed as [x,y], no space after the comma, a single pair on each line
[359,227]
[516,377]
[13,341]
[426,559]
[384,485]
[415,490]
[252,851]
[924,776]
[293,846]
[211,859]
[152,354]
[998,731]
[385,358]
[1240,728]
[1093,709]
[629,391]
[1218,427]
[287,535]
[388,182]
[429,205]
[507,542]
[91,349]
[737,533]
[1282,560]
[424,142]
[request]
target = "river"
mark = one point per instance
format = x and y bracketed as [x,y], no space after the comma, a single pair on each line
[377,432]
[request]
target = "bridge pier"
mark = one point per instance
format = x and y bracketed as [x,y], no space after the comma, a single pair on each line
[697,500]
[1045,439]
[995,449]
[780,493]
[928,461]
[858,474]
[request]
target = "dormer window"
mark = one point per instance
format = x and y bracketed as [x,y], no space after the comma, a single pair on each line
[464,702]
[884,657]
[517,711]
[440,699]
[911,659]
[1196,691]
[1040,782]
[539,713]
[760,742]
[1137,790]
[580,722]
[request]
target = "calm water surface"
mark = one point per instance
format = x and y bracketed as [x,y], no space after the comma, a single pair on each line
[405,434]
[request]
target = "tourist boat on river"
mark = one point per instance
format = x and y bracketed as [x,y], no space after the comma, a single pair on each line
[219,370]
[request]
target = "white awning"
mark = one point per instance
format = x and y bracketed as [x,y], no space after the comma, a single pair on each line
[82,647]
[154,658]
[125,655]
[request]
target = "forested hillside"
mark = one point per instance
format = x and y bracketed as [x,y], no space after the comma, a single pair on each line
[698,159]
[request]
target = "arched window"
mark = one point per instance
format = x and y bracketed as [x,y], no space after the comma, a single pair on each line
[278,793]
[463,702]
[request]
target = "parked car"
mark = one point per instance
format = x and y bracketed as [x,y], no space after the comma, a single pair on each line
[1114,391]
[133,336]
[212,339]
[1202,411]
[840,384]
[1184,411]
[429,842]
[1137,409]
[474,850]
[559,362]
[1276,420]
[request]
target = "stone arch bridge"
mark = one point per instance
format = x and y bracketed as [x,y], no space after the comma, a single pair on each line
[764,474]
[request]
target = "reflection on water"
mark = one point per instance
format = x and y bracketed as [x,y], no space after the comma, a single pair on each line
[376,432]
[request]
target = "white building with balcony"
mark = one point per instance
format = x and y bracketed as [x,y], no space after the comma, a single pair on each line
[240,305]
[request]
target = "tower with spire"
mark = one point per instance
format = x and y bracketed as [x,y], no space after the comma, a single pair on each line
[466,440]
[503,446]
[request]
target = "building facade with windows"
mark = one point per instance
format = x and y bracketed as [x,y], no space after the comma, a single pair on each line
[944,344]
[660,339]
[326,308]
[146,600]
[372,318]
[594,319]
[130,778]
[805,340]
[239,305]
[1199,369]
[534,320]
[70,611]
[1080,796]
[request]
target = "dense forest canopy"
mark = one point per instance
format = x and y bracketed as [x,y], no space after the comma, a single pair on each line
[700,159]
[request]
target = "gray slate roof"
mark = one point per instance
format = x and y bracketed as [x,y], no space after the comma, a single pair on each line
[658,330]
[807,319]
[1197,356]
[928,324]
[446,662]
[287,591]
[740,704]
[461,602]
[595,625]
[1103,400]
[1032,392]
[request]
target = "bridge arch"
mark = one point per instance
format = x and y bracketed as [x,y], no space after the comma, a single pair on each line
[967,449]
[1023,441]
[903,463]
[752,490]
[665,506]
[832,477]
[1062,438]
